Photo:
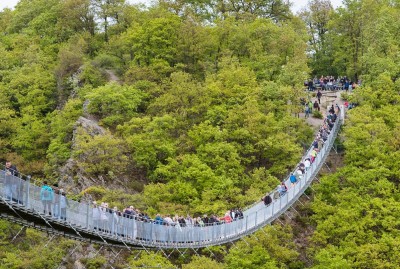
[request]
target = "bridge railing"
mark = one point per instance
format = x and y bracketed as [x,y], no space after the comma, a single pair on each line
[108,224]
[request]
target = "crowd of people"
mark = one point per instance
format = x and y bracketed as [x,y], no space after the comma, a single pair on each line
[53,199]
[330,83]
[55,204]
[319,140]
[309,105]
[101,214]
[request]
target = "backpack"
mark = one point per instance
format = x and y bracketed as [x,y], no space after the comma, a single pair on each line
[47,192]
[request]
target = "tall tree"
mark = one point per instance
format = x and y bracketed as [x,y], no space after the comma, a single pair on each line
[108,11]
[316,16]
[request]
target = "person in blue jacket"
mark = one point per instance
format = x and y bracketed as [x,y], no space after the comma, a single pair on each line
[159,220]
[46,196]
[293,179]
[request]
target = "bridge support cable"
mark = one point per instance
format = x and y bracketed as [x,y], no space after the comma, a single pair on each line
[244,240]
[180,252]
[292,207]
[72,227]
[137,255]
[69,254]
[279,221]
[300,202]
[45,220]
[212,253]
[9,205]
[159,249]
[334,147]
[49,241]
[287,215]
[312,189]
[125,244]
[328,167]
[97,253]
[169,255]
[20,230]
[195,251]
[233,245]
[97,232]
[255,236]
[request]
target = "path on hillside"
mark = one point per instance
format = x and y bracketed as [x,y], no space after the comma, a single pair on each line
[112,76]
[328,98]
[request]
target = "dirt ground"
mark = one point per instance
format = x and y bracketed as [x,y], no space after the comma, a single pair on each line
[328,98]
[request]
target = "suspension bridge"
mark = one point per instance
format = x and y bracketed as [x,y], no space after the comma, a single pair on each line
[20,202]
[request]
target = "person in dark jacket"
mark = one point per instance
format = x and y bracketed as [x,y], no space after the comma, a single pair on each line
[11,181]
[205,219]
[267,200]
[316,105]
[319,95]
[310,85]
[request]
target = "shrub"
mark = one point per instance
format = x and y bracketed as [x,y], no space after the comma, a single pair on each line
[317,114]
[93,263]
[344,96]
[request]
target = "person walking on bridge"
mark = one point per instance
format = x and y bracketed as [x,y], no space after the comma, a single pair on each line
[10,181]
[46,196]
[319,95]
[316,105]
[310,106]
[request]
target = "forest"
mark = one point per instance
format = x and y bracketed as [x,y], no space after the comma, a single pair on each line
[190,107]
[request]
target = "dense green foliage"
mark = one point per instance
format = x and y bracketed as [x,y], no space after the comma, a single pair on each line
[199,106]
[358,40]
[356,209]
[31,249]
[192,107]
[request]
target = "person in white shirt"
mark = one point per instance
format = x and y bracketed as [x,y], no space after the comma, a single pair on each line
[168,220]
[95,215]
[63,203]
[307,163]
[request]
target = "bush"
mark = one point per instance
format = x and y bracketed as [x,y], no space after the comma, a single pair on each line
[106,61]
[93,154]
[114,103]
[344,96]
[94,263]
[317,114]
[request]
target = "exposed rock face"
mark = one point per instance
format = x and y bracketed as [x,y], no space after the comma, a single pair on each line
[72,178]
[90,126]
[78,254]
[78,265]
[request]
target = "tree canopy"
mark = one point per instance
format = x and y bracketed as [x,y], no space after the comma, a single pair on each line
[190,106]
